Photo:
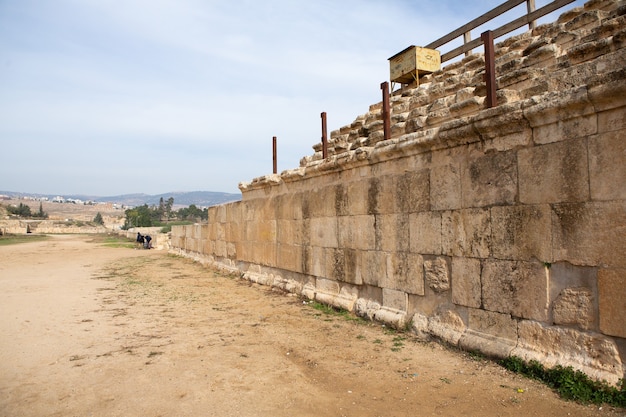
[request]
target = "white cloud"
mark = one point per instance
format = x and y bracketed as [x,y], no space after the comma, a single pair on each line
[198,87]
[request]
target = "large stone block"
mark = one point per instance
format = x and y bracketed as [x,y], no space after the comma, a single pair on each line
[466,233]
[356,195]
[466,288]
[554,173]
[381,195]
[392,232]
[594,354]
[521,232]
[516,288]
[405,273]
[394,299]
[577,127]
[561,115]
[447,326]
[492,323]
[612,301]
[412,192]
[317,260]
[493,334]
[590,233]
[373,267]
[356,232]
[489,179]
[425,233]
[445,187]
[607,165]
[324,232]
[289,257]
[321,202]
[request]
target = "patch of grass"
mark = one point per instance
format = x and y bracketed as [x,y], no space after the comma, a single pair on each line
[11,239]
[333,311]
[569,383]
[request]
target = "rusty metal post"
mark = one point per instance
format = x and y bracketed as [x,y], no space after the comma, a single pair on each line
[324,137]
[386,111]
[274,155]
[490,68]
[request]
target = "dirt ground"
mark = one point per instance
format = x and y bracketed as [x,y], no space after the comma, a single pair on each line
[91,330]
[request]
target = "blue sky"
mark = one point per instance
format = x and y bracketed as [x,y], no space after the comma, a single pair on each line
[105,97]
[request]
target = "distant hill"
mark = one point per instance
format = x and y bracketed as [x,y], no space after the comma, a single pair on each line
[181,198]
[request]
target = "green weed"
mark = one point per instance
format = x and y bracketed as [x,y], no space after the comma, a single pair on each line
[569,383]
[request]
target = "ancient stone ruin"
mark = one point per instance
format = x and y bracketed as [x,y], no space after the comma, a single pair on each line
[501,229]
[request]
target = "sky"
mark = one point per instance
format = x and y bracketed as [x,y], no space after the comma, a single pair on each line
[111,97]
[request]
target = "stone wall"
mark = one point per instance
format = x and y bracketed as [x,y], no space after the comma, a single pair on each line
[494,229]
[47,226]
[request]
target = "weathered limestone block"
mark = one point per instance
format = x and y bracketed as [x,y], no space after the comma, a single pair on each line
[366,308]
[593,354]
[394,318]
[466,287]
[331,293]
[574,307]
[286,284]
[321,202]
[289,231]
[554,173]
[411,192]
[585,21]
[419,327]
[317,261]
[327,287]
[324,232]
[289,257]
[447,326]
[445,187]
[612,301]
[589,50]
[308,290]
[458,131]
[516,288]
[466,233]
[608,96]
[607,165]
[437,275]
[392,233]
[405,272]
[521,232]
[373,267]
[356,232]
[489,179]
[257,276]
[561,115]
[493,334]
[220,248]
[191,244]
[425,233]
[589,233]
[394,299]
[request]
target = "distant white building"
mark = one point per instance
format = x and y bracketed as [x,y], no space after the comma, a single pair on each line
[58,199]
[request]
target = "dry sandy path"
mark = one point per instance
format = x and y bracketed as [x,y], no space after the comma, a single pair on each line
[89,330]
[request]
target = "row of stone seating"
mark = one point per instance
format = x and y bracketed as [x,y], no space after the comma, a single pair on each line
[549,58]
